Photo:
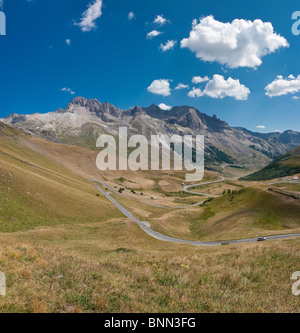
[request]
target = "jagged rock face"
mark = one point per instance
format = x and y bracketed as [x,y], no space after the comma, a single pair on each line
[93,107]
[289,137]
[77,101]
[84,120]
[187,117]
[135,111]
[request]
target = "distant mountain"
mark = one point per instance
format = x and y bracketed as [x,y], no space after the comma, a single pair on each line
[288,137]
[84,120]
[286,165]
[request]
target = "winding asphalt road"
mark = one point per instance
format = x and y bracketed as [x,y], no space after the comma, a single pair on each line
[146,227]
[186,188]
[286,181]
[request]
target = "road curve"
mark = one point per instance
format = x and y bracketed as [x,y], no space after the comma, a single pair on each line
[186,188]
[145,227]
[145,202]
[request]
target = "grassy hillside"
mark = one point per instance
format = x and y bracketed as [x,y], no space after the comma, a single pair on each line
[35,191]
[83,269]
[65,249]
[242,213]
[249,211]
[286,165]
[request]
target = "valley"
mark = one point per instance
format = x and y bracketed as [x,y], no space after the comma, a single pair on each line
[67,247]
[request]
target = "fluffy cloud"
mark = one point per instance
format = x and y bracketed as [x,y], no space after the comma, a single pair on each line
[153,34]
[131,16]
[195,93]
[88,18]
[165,107]
[218,87]
[168,46]
[199,79]
[182,86]
[160,20]
[68,90]
[283,86]
[160,87]
[261,127]
[241,43]
[68,41]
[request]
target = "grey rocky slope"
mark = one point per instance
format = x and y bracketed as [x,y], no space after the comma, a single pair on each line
[83,120]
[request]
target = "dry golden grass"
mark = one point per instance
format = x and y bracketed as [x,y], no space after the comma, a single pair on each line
[64,249]
[77,275]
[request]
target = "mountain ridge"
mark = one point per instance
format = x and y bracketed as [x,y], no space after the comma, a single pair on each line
[83,120]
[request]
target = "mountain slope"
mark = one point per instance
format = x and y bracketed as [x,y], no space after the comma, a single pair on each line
[36,191]
[84,120]
[286,165]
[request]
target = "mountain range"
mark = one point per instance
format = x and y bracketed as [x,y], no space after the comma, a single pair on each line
[83,120]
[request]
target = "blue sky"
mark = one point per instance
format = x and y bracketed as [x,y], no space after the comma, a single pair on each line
[57,44]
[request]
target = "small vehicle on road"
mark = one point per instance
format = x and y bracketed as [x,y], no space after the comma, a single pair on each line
[261,239]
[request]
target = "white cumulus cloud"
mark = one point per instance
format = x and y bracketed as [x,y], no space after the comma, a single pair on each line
[260,126]
[68,41]
[169,45]
[165,107]
[218,87]
[199,79]
[153,33]
[195,92]
[241,43]
[160,20]
[160,87]
[283,86]
[89,17]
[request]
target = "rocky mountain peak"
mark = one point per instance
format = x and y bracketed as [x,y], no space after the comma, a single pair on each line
[78,101]
[93,107]
[290,137]
[136,111]
[60,110]
[85,116]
